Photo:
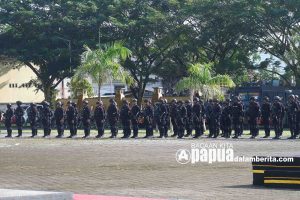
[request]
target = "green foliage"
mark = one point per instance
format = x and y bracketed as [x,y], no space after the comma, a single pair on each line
[164,37]
[81,85]
[104,64]
[201,79]
[47,36]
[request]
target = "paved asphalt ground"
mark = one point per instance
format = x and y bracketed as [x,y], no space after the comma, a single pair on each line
[139,168]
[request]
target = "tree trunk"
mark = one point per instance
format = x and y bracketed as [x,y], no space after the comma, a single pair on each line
[192,93]
[140,95]
[99,90]
[48,93]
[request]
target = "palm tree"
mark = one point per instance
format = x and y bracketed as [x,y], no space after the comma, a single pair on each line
[103,64]
[200,79]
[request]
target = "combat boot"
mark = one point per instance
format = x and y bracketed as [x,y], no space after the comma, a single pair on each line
[9,134]
[19,133]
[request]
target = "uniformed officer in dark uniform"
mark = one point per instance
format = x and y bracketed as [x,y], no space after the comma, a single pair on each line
[76,118]
[99,117]
[134,115]
[173,113]
[208,114]
[253,114]
[32,118]
[8,115]
[265,116]
[226,119]
[46,118]
[198,114]
[181,117]
[161,118]
[86,119]
[292,111]
[277,116]
[113,117]
[19,113]
[237,117]
[298,116]
[59,119]
[148,115]
[125,119]
[189,118]
[215,119]
[70,115]
[168,121]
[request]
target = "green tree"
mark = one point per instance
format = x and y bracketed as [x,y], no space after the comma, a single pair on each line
[80,85]
[103,64]
[48,36]
[146,29]
[278,25]
[200,79]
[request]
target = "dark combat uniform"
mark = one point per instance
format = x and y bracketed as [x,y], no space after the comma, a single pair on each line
[8,115]
[99,117]
[76,119]
[125,119]
[33,117]
[71,118]
[298,116]
[237,118]
[180,119]
[148,115]
[253,114]
[208,114]
[173,111]
[162,119]
[59,120]
[215,115]
[226,119]
[189,118]
[134,114]
[265,116]
[46,119]
[292,111]
[19,113]
[86,119]
[198,117]
[113,116]
[277,117]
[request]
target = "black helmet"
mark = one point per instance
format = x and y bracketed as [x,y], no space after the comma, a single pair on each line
[174,101]
[59,103]
[146,101]
[45,103]
[70,102]
[180,102]
[86,102]
[277,98]
[266,98]
[19,103]
[237,98]
[291,96]
[252,98]
[196,99]
[188,101]
[134,100]
[8,105]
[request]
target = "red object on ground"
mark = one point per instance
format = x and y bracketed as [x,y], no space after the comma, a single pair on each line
[95,197]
